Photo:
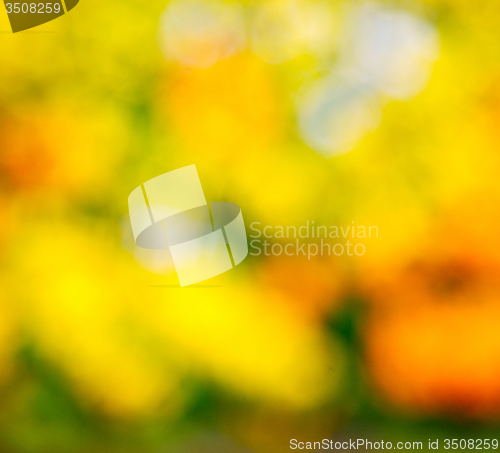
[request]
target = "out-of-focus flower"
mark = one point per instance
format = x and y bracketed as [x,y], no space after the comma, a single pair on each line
[198,33]
[283,29]
[77,296]
[439,357]
[389,50]
[334,116]
[25,160]
[59,149]
[433,340]
[226,113]
[464,234]
[249,343]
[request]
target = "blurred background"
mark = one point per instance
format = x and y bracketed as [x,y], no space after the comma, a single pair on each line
[378,113]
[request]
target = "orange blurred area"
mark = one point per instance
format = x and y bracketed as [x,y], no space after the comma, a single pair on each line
[228,112]
[58,148]
[314,288]
[439,357]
